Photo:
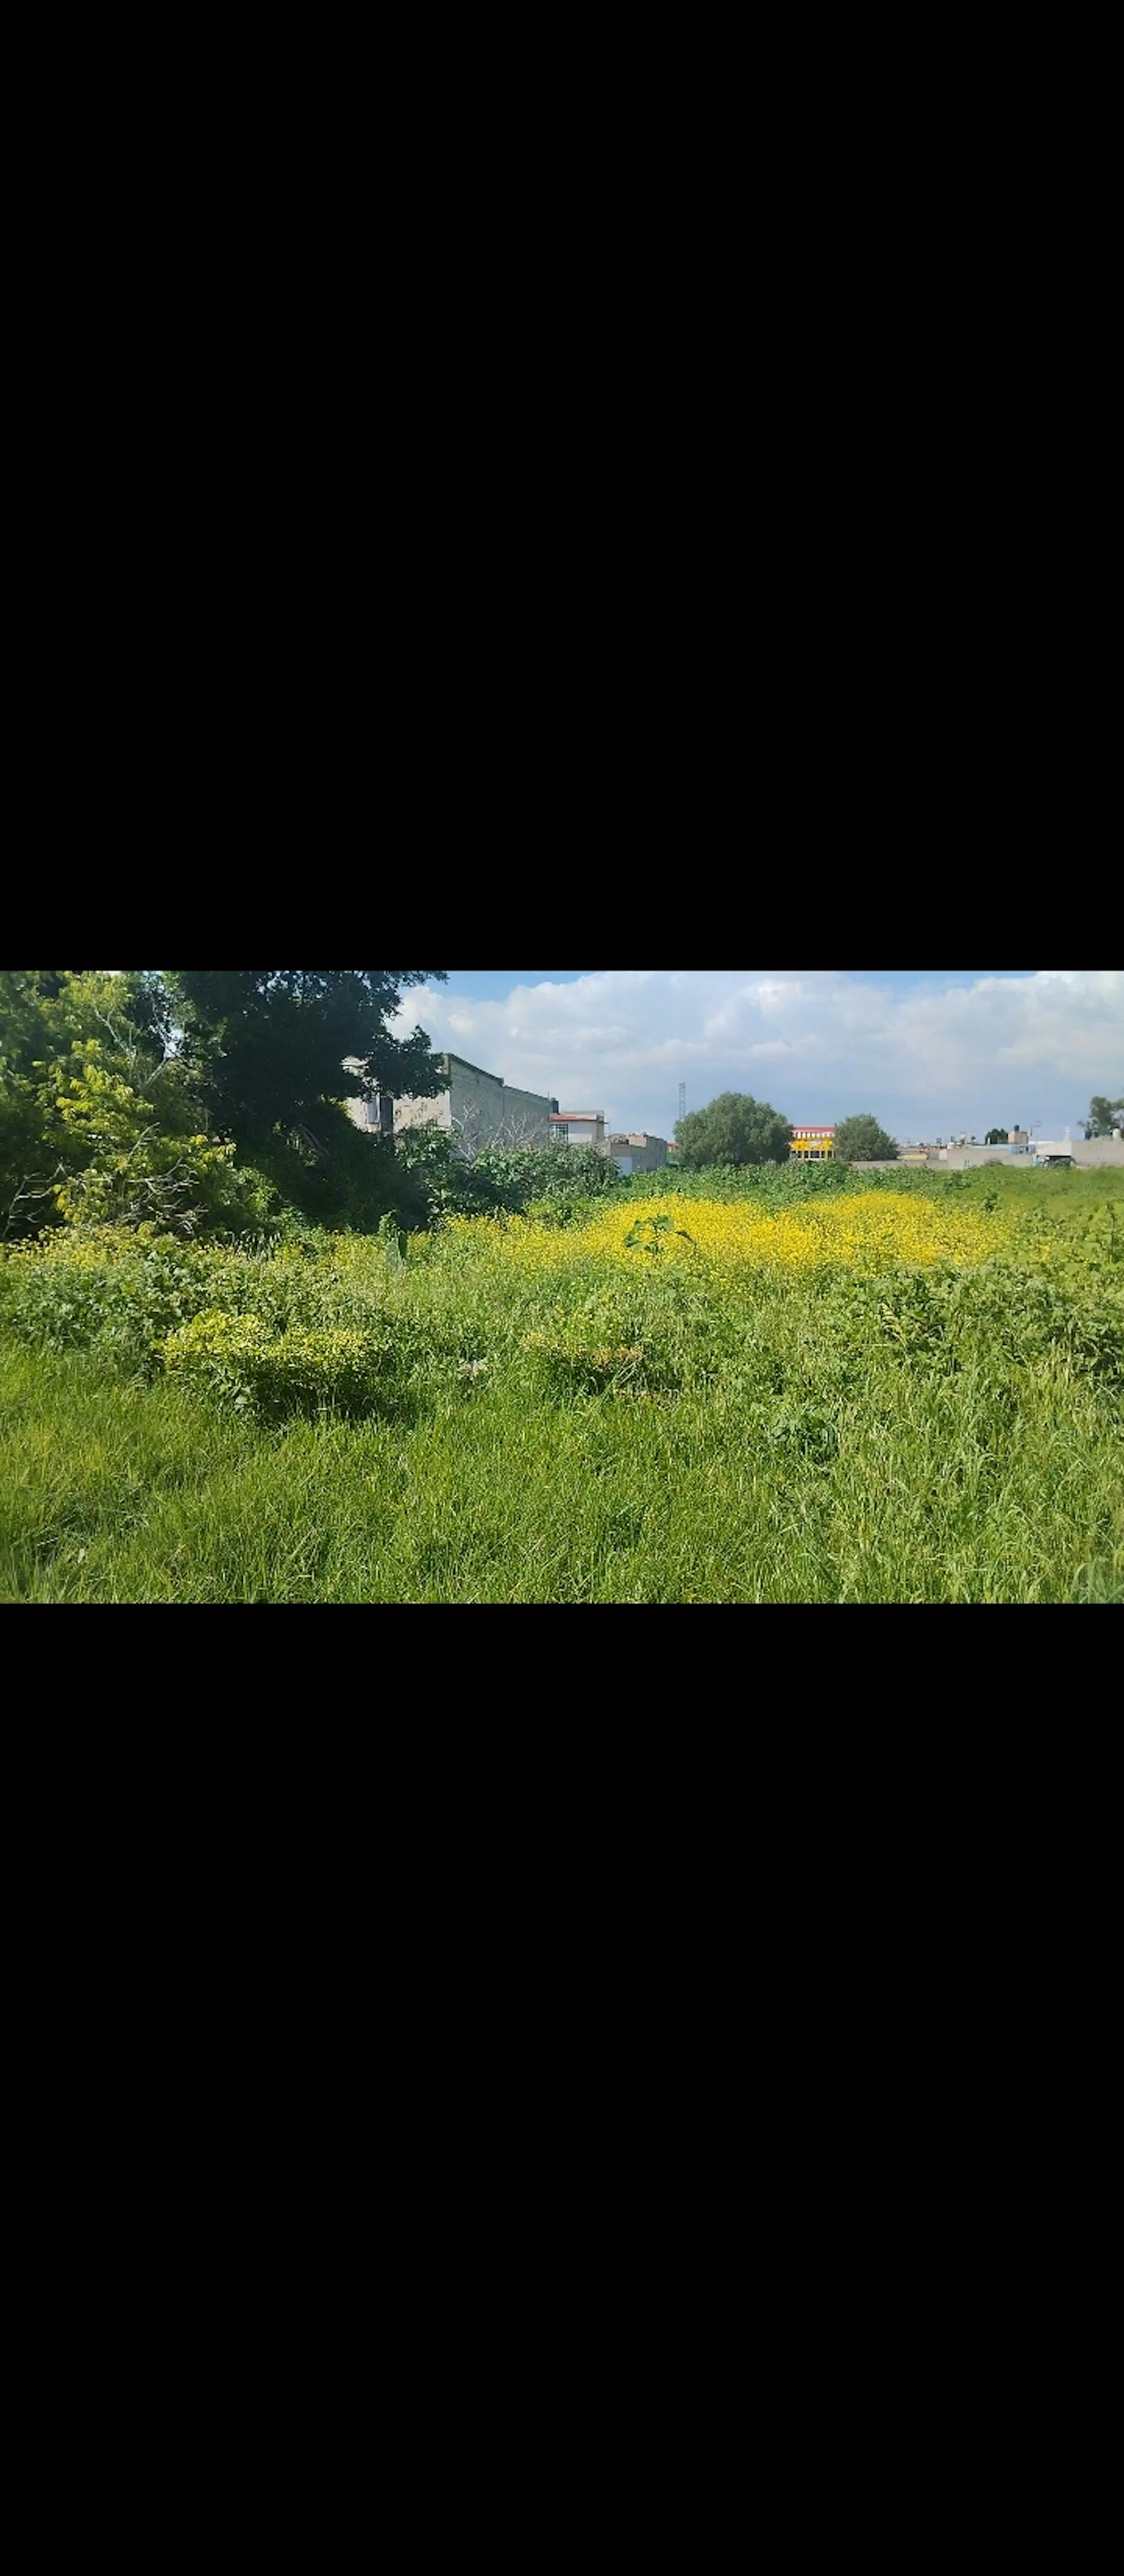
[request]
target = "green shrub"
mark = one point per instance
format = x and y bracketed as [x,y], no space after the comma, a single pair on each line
[115,1289]
[239,1361]
[558,1182]
[1004,1313]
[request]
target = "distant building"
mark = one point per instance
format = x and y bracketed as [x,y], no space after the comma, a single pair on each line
[1085,1156]
[813,1144]
[637,1153]
[1088,1153]
[478,1108]
[579,1127]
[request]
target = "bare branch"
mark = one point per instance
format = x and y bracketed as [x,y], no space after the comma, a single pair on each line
[31,1188]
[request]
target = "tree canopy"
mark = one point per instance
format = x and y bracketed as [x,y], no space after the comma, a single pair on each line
[862,1140]
[735,1128]
[196,1097]
[268,1047]
[1104,1115]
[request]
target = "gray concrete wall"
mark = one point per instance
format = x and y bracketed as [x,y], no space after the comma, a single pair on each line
[478,1107]
[977,1158]
[1087,1152]
[643,1153]
[486,1111]
[1088,1155]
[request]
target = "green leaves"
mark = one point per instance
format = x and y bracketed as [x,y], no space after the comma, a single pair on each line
[269,1045]
[862,1140]
[237,1359]
[660,1228]
[393,1241]
[736,1129]
[1104,1115]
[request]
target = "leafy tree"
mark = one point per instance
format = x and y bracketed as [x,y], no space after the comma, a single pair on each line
[41,1014]
[1104,1115]
[996,1136]
[137,1161]
[46,1018]
[268,1046]
[735,1129]
[862,1140]
[198,1098]
[273,1052]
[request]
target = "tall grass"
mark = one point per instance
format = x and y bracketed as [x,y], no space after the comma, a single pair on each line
[328,1422]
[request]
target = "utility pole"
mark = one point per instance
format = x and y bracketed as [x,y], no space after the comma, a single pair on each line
[682,1099]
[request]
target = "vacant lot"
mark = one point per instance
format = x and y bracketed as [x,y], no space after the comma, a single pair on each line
[725,1391]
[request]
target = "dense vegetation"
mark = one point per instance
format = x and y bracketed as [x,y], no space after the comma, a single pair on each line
[249,1354]
[862,1140]
[1105,1116]
[208,1103]
[735,1129]
[740,1386]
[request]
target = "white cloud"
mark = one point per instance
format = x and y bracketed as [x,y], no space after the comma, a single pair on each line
[818,1044]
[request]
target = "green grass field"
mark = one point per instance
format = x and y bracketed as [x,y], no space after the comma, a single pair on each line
[913,1393]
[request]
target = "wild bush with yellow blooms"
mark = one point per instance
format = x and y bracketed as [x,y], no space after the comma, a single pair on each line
[866,1231]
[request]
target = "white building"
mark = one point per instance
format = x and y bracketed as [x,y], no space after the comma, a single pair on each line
[579,1127]
[1087,1153]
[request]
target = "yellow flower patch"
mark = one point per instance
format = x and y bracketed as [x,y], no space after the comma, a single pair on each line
[861,1231]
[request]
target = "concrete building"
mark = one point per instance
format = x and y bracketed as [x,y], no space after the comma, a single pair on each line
[813,1144]
[637,1153]
[478,1108]
[579,1127]
[1087,1153]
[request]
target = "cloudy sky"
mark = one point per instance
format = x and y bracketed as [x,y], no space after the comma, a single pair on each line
[931,1052]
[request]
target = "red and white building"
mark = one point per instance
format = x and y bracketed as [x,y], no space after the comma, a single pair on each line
[578,1127]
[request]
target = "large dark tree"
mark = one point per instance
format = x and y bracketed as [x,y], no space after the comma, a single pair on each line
[862,1140]
[735,1128]
[268,1046]
[1104,1115]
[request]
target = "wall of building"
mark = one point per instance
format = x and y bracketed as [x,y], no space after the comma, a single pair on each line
[639,1153]
[976,1158]
[1087,1154]
[1087,1151]
[486,1111]
[582,1131]
[478,1107]
[813,1144]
